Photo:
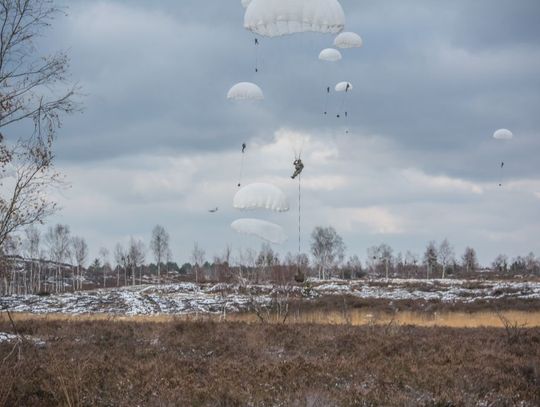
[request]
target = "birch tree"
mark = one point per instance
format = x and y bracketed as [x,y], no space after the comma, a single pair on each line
[33,238]
[80,252]
[121,260]
[430,258]
[469,260]
[34,97]
[104,255]
[327,248]
[197,257]
[58,242]
[160,247]
[136,257]
[446,255]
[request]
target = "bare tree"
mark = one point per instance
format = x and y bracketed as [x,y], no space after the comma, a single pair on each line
[160,247]
[136,257]
[381,256]
[446,255]
[532,263]
[500,264]
[80,252]
[327,248]
[11,248]
[121,260]
[469,260]
[266,260]
[430,258]
[197,257]
[33,237]
[411,262]
[246,261]
[104,255]
[58,242]
[30,92]
[354,267]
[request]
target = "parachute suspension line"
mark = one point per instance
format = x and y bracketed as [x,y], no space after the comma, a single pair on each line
[298,150]
[326,100]
[256,41]
[501,173]
[327,79]
[241,170]
[342,106]
[346,122]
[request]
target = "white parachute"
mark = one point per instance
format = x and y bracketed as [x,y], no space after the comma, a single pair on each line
[265,230]
[245,3]
[344,87]
[272,18]
[330,55]
[503,134]
[348,40]
[245,91]
[261,196]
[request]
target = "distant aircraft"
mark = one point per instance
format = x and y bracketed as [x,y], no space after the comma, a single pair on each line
[213,210]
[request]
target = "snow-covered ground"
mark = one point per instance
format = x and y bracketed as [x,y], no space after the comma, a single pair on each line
[189,298]
[7,337]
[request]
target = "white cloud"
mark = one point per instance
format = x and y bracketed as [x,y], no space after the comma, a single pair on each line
[421,180]
[375,219]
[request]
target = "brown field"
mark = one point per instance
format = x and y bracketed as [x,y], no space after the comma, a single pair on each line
[348,302]
[207,363]
[354,317]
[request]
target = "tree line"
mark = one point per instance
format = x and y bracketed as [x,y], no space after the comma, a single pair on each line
[58,261]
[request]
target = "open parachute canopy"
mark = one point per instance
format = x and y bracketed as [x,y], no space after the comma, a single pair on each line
[343,87]
[245,91]
[348,40]
[330,55]
[265,230]
[261,196]
[272,18]
[503,134]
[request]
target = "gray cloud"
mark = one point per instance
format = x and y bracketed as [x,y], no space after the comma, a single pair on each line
[158,141]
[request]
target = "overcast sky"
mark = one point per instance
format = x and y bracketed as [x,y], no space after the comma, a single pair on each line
[159,143]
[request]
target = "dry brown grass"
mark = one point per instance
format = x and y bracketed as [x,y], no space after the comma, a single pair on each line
[336,302]
[127,363]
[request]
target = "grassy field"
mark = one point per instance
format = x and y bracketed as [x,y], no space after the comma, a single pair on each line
[206,363]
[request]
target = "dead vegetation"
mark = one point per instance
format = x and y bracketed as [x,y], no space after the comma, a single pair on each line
[87,363]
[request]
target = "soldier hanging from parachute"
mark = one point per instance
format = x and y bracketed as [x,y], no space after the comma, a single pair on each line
[298,167]
[502,135]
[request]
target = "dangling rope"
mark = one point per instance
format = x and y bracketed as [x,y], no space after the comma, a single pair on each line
[299,275]
[299,219]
